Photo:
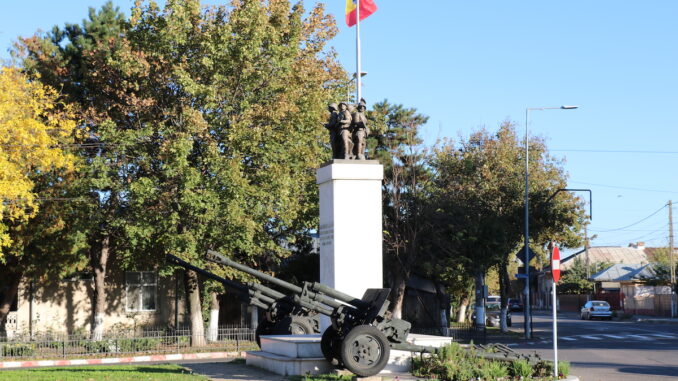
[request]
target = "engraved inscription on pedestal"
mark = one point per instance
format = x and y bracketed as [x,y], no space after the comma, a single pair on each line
[326,234]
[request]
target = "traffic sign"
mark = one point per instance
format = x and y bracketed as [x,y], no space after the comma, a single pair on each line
[521,254]
[555,264]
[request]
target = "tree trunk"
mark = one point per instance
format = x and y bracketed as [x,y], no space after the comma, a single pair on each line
[504,291]
[463,305]
[13,281]
[195,309]
[98,261]
[398,298]
[214,317]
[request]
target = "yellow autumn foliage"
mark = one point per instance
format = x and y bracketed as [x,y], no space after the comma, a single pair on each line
[34,126]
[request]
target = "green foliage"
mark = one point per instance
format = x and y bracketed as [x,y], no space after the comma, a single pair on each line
[521,369]
[17,350]
[394,140]
[563,368]
[574,280]
[203,125]
[454,363]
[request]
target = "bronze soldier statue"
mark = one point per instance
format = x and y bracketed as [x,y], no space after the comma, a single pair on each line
[360,131]
[344,124]
[333,126]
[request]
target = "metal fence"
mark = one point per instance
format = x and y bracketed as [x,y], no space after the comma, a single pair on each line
[459,332]
[153,341]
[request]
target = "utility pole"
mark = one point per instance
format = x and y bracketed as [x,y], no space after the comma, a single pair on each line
[672,264]
[586,251]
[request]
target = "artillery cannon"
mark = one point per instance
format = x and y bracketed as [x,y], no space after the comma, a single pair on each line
[363,332]
[282,317]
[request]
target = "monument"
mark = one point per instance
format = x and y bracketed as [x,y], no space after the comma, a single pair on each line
[350,207]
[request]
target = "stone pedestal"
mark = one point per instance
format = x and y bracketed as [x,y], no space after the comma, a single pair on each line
[351,225]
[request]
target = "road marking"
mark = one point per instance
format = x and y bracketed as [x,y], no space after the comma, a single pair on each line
[660,335]
[590,337]
[614,336]
[639,337]
[568,338]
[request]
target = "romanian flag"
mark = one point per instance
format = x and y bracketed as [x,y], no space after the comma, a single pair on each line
[367,7]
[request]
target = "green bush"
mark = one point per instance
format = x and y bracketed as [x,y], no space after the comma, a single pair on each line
[138,344]
[454,363]
[492,370]
[563,369]
[521,369]
[18,350]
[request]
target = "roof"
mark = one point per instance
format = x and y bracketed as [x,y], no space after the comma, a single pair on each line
[610,254]
[624,273]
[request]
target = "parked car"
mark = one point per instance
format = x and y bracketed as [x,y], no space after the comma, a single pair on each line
[493,299]
[515,304]
[596,309]
[493,315]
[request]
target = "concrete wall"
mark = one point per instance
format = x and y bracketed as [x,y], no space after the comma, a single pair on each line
[66,306]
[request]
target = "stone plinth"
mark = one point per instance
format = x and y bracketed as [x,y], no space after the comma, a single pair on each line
[351,225]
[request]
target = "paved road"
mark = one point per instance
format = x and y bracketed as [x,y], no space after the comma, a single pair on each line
[606,350]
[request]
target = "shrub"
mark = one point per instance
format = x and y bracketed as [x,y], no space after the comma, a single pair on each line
[138,345]
[18,350]
[492,370]
[521,368]
[563,369]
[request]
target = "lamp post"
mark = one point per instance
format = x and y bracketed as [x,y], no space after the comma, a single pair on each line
[526,260]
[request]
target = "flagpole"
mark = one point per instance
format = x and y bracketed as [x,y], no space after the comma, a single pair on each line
[357,48]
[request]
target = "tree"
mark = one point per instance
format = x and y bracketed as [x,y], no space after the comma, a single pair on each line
[205,126]
[575,281]
[395,142]
[35,130]
[33,126]
[477,202]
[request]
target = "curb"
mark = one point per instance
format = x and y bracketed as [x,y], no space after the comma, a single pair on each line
[119,360]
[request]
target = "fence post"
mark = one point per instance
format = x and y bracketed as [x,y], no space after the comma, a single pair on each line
[63,347]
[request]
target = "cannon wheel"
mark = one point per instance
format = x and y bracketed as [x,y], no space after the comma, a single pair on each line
[292,325]
[264,328]
[365,350]
[300,325]
[330,345]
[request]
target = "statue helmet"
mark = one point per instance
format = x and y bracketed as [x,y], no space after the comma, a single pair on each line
[343,103]
[333,106]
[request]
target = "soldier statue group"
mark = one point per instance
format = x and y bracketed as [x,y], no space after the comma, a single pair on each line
[348,131]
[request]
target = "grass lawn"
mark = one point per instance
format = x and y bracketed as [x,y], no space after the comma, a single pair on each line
[168,372]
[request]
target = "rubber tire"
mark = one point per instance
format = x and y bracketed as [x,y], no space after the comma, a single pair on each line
[355,342]
[293,325]
[330,344]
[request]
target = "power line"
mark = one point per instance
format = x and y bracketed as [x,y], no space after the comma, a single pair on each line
[627,188]
[614,151]
[635,223]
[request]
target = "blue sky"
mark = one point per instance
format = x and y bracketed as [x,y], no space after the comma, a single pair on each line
[469,64]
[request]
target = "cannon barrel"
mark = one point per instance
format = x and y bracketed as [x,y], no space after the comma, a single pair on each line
[317,297]
[218,258]
[329,291]
[226,282]
[265,296]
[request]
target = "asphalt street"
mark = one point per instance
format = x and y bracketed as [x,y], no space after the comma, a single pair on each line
[605,350]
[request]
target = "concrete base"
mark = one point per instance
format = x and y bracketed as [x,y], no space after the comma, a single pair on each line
[295,355]
[287,366]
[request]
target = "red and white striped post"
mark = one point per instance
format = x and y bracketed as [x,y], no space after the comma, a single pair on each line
[555,272]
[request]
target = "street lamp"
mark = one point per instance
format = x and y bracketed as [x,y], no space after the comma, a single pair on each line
[348,86]
[526,259]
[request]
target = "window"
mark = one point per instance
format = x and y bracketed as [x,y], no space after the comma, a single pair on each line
[141,289]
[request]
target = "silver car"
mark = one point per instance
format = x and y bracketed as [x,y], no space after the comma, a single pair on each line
[596,309]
